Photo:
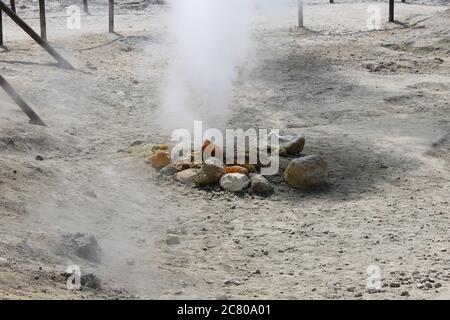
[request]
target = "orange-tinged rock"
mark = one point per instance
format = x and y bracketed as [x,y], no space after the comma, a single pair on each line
[160,159]
[235,169]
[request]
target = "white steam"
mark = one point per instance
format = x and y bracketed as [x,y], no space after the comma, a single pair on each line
[211,38]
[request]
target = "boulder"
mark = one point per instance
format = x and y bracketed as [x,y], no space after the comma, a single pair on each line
[259,184]
[306,172]
[210,172]
[187,176]
[234,182]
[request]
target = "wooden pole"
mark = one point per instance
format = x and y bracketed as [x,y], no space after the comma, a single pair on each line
[85,6]
[13,5]
[1,28]
[300,13]
[42,42]
[391,10]
[42,19]
[111,16]
[34,118]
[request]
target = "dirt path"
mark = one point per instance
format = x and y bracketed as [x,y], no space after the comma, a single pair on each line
[374,104]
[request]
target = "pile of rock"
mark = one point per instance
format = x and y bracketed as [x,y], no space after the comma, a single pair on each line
[298,171]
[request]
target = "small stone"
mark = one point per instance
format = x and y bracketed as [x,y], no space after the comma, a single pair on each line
[130,262]
[235,169]
[168,170]
[351,289]
[437,285]
[161,146]
[39,158]
[394,285]
[293,144]
[210,172]
[187,176]
[234,182]
[171,240]
[404,293]
[136,143]
[160,159]
[307,172]
[222,297]
[259,184]
[358,295]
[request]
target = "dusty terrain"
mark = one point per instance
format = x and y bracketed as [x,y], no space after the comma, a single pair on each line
[375,104]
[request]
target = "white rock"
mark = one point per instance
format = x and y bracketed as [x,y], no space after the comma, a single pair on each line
[234,182]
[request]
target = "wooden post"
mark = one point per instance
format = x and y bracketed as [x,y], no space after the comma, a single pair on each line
[13,5]
[300,13]
[111,16]
[1,28]
[85,6]
[42,19]
[42,42]
[391,10]
[34,118]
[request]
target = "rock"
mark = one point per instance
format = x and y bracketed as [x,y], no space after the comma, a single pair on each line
[291,144]
[210,172]
[84,246]
[222,297]
[284,163]
[184,162]
[90,280]
[136,143]
[161,146]
[250,167]
[160,159]
[236,169]
[171,240]
[39,158]
[234,182]
[306,172]
[404,293]
[187,176]
[259,184]
[168,170]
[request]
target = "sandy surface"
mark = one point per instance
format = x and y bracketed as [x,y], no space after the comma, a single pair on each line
[375,104]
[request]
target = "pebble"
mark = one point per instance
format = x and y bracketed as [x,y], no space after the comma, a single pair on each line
[171,240]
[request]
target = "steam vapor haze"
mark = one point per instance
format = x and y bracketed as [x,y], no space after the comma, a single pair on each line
[211,38]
